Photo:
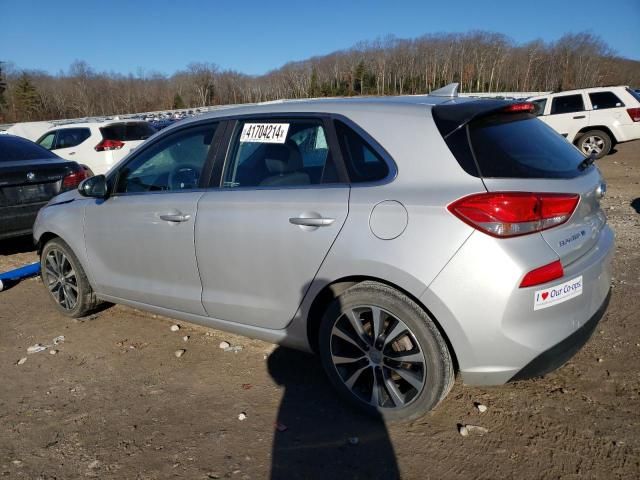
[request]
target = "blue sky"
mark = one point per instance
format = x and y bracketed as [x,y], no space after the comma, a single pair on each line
[256,36]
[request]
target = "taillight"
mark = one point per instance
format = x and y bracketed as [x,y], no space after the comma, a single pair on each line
[519,107]
[109,145]
[634,113]
[544,274]
[73,179]
[509,214]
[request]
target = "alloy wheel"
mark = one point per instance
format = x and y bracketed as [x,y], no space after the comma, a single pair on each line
[377,357]
[61,279]
[594,144]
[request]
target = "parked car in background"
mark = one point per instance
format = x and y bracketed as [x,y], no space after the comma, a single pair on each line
[29,177]
[593,119]
[400,238]
[99,145]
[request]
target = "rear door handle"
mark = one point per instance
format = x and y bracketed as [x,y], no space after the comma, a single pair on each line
[72,153]
[175,217]
[578,117]
[312,222]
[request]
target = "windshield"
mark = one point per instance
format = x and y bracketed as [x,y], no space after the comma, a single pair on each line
[16,148]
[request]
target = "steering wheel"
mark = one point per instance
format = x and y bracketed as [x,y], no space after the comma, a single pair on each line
[184,177]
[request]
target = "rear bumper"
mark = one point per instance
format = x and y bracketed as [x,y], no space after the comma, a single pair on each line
[561,353]
[493,326]
[18,220]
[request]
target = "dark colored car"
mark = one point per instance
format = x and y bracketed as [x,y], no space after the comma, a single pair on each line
[30,176]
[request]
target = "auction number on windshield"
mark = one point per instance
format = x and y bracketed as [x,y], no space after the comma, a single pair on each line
[264,132]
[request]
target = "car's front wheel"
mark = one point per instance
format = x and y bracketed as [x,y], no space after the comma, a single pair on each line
[65,280]
[384,353]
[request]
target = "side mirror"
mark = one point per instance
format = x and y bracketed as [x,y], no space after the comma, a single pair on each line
[94,187]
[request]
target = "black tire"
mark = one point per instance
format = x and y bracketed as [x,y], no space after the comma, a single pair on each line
[85,300]
[595,139]
[400,314]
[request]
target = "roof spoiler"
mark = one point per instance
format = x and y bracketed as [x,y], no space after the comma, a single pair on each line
[450,117]
[450,90]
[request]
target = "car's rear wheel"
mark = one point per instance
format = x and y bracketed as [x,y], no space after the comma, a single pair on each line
[595,142]
[65,280]
[383,352]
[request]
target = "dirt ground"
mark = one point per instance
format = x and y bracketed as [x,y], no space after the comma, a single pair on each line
[115,402]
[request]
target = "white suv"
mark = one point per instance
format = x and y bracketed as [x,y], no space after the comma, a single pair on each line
[98,145]
[593,119]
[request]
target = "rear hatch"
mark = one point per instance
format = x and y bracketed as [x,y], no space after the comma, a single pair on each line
[124,136]
[512,151]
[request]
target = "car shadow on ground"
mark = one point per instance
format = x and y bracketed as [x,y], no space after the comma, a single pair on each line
[635,203]
[11,246]
[317,435]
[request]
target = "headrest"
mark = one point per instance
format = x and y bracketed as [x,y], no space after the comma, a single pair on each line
[281,159]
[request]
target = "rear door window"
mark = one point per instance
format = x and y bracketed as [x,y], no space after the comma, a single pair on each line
[521,146]
[71,137]
[279,153]
[127,132]
[603,100]
[567,104]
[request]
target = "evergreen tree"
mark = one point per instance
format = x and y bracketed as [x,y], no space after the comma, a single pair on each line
[314,87]
[27,99]
[359,75]
[3,88]
[178,103]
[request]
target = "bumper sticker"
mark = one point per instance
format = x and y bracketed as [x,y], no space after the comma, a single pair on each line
[557,294]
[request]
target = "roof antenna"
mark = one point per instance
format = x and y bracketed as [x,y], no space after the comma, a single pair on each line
[450,90]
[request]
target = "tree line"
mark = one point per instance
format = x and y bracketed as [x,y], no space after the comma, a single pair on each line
[480,61]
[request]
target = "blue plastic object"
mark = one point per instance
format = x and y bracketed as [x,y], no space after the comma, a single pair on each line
[18,274]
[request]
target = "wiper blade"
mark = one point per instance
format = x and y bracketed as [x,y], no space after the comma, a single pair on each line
[587,162]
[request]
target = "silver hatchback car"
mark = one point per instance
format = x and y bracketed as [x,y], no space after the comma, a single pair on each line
[404,239]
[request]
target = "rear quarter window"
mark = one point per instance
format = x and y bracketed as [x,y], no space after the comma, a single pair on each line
[363,163]
[603,100]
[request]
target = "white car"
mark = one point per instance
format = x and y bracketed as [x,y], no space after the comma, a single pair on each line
[98,145]
[593,119]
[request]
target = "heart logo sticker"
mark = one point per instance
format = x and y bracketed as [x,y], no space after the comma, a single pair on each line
[545,295]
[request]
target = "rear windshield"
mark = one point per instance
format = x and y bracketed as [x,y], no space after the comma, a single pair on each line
[634,94]
[521,146]
[15,148]
[127,131]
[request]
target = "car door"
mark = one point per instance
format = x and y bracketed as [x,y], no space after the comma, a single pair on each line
[567,115]
[607,109]
[68,141]
[262,235]
[140,240]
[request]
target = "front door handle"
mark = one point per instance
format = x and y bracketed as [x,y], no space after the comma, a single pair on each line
[72,153]
[175,217]
[578,117]
[312,222]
